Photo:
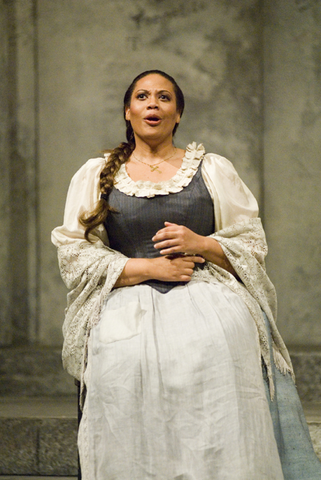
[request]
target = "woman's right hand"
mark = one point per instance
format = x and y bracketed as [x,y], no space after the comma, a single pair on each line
[174,268]
[167,268]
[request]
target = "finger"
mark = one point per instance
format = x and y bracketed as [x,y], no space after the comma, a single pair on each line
[172,252]
[184,278]
[198,259]
[194,258]
[165,244]
[163,234]
[187,271]
[180,260]
[170,224]
[186,266]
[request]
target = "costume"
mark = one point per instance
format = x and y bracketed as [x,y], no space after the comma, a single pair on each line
[174,380]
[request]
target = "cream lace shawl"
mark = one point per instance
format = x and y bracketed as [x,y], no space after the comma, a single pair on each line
[91,270]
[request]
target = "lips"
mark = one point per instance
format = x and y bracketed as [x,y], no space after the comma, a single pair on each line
[152,119]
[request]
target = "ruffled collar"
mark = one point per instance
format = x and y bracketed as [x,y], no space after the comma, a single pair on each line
[145,188]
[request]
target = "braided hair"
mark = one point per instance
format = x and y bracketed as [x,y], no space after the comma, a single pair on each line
[120,155]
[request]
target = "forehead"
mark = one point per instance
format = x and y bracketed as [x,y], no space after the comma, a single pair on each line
[154,81]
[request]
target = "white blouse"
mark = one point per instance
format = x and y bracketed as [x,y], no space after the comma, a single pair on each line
[233,201]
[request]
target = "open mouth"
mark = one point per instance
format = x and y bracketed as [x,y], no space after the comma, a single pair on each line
[152,120]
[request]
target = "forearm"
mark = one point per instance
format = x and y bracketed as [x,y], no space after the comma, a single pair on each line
[211,250]
[136,270]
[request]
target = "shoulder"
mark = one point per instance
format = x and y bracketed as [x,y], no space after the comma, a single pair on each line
[91,166]
[219,163]
[89,172]
[221,170]
[85,181]
[233,200]
[213,164]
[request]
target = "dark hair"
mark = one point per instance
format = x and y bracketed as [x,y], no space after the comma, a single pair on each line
[121,154]
[180,102]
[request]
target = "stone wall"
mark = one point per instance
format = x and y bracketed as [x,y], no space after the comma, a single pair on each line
[292,164]
[5,324]
[69,64]
[88,53]
[18,274]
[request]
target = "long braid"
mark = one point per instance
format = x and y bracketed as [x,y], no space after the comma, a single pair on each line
[117,157]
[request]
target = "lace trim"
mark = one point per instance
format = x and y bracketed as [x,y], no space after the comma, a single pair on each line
[83,445]
[247,259]
[91,271]
[181,179]
[244,246]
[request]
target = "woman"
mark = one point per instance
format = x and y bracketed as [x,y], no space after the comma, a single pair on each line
[170,323]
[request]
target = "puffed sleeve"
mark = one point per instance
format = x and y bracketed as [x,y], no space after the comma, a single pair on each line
[79,259]
[89,270]
[233,201]
[83,194]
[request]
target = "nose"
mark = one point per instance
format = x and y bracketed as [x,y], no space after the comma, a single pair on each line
[152,103]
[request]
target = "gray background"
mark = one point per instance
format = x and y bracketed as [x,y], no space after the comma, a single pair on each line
[250,71]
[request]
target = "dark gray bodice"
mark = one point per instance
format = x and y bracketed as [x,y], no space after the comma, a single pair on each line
[131,228]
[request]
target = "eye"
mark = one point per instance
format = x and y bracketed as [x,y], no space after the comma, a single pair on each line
[164,96]
[141,96]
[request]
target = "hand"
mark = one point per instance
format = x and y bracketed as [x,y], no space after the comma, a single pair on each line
[174,239]
[166,268]
[174,268]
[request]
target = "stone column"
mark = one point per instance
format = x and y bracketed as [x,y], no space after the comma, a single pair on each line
[5,323]
[292,164]
[18,179]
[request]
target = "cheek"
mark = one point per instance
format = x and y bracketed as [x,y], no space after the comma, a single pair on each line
[175,118]
[134,113]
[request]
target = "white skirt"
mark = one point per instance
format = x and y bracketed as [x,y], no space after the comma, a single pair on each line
[175,389]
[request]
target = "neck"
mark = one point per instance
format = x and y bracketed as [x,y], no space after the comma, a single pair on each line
[153,152]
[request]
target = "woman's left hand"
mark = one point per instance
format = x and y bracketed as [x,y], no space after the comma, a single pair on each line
[175,239]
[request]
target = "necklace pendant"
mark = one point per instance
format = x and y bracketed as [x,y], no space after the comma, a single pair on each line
[153,168]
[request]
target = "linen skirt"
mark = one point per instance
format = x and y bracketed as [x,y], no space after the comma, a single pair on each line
[175,391]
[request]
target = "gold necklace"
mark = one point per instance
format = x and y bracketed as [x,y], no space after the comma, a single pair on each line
[155,165]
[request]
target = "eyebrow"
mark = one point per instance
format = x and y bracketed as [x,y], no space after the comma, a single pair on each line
[143,90]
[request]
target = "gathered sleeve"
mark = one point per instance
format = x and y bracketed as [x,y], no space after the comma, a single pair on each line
[237,225]
[82,196]
[88,269]
[233,201]
[76,255]
[236,210]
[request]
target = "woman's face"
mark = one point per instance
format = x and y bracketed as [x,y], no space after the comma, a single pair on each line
[152,111]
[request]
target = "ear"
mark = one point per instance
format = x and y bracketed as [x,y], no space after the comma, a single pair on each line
[127,113]
[178,118]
